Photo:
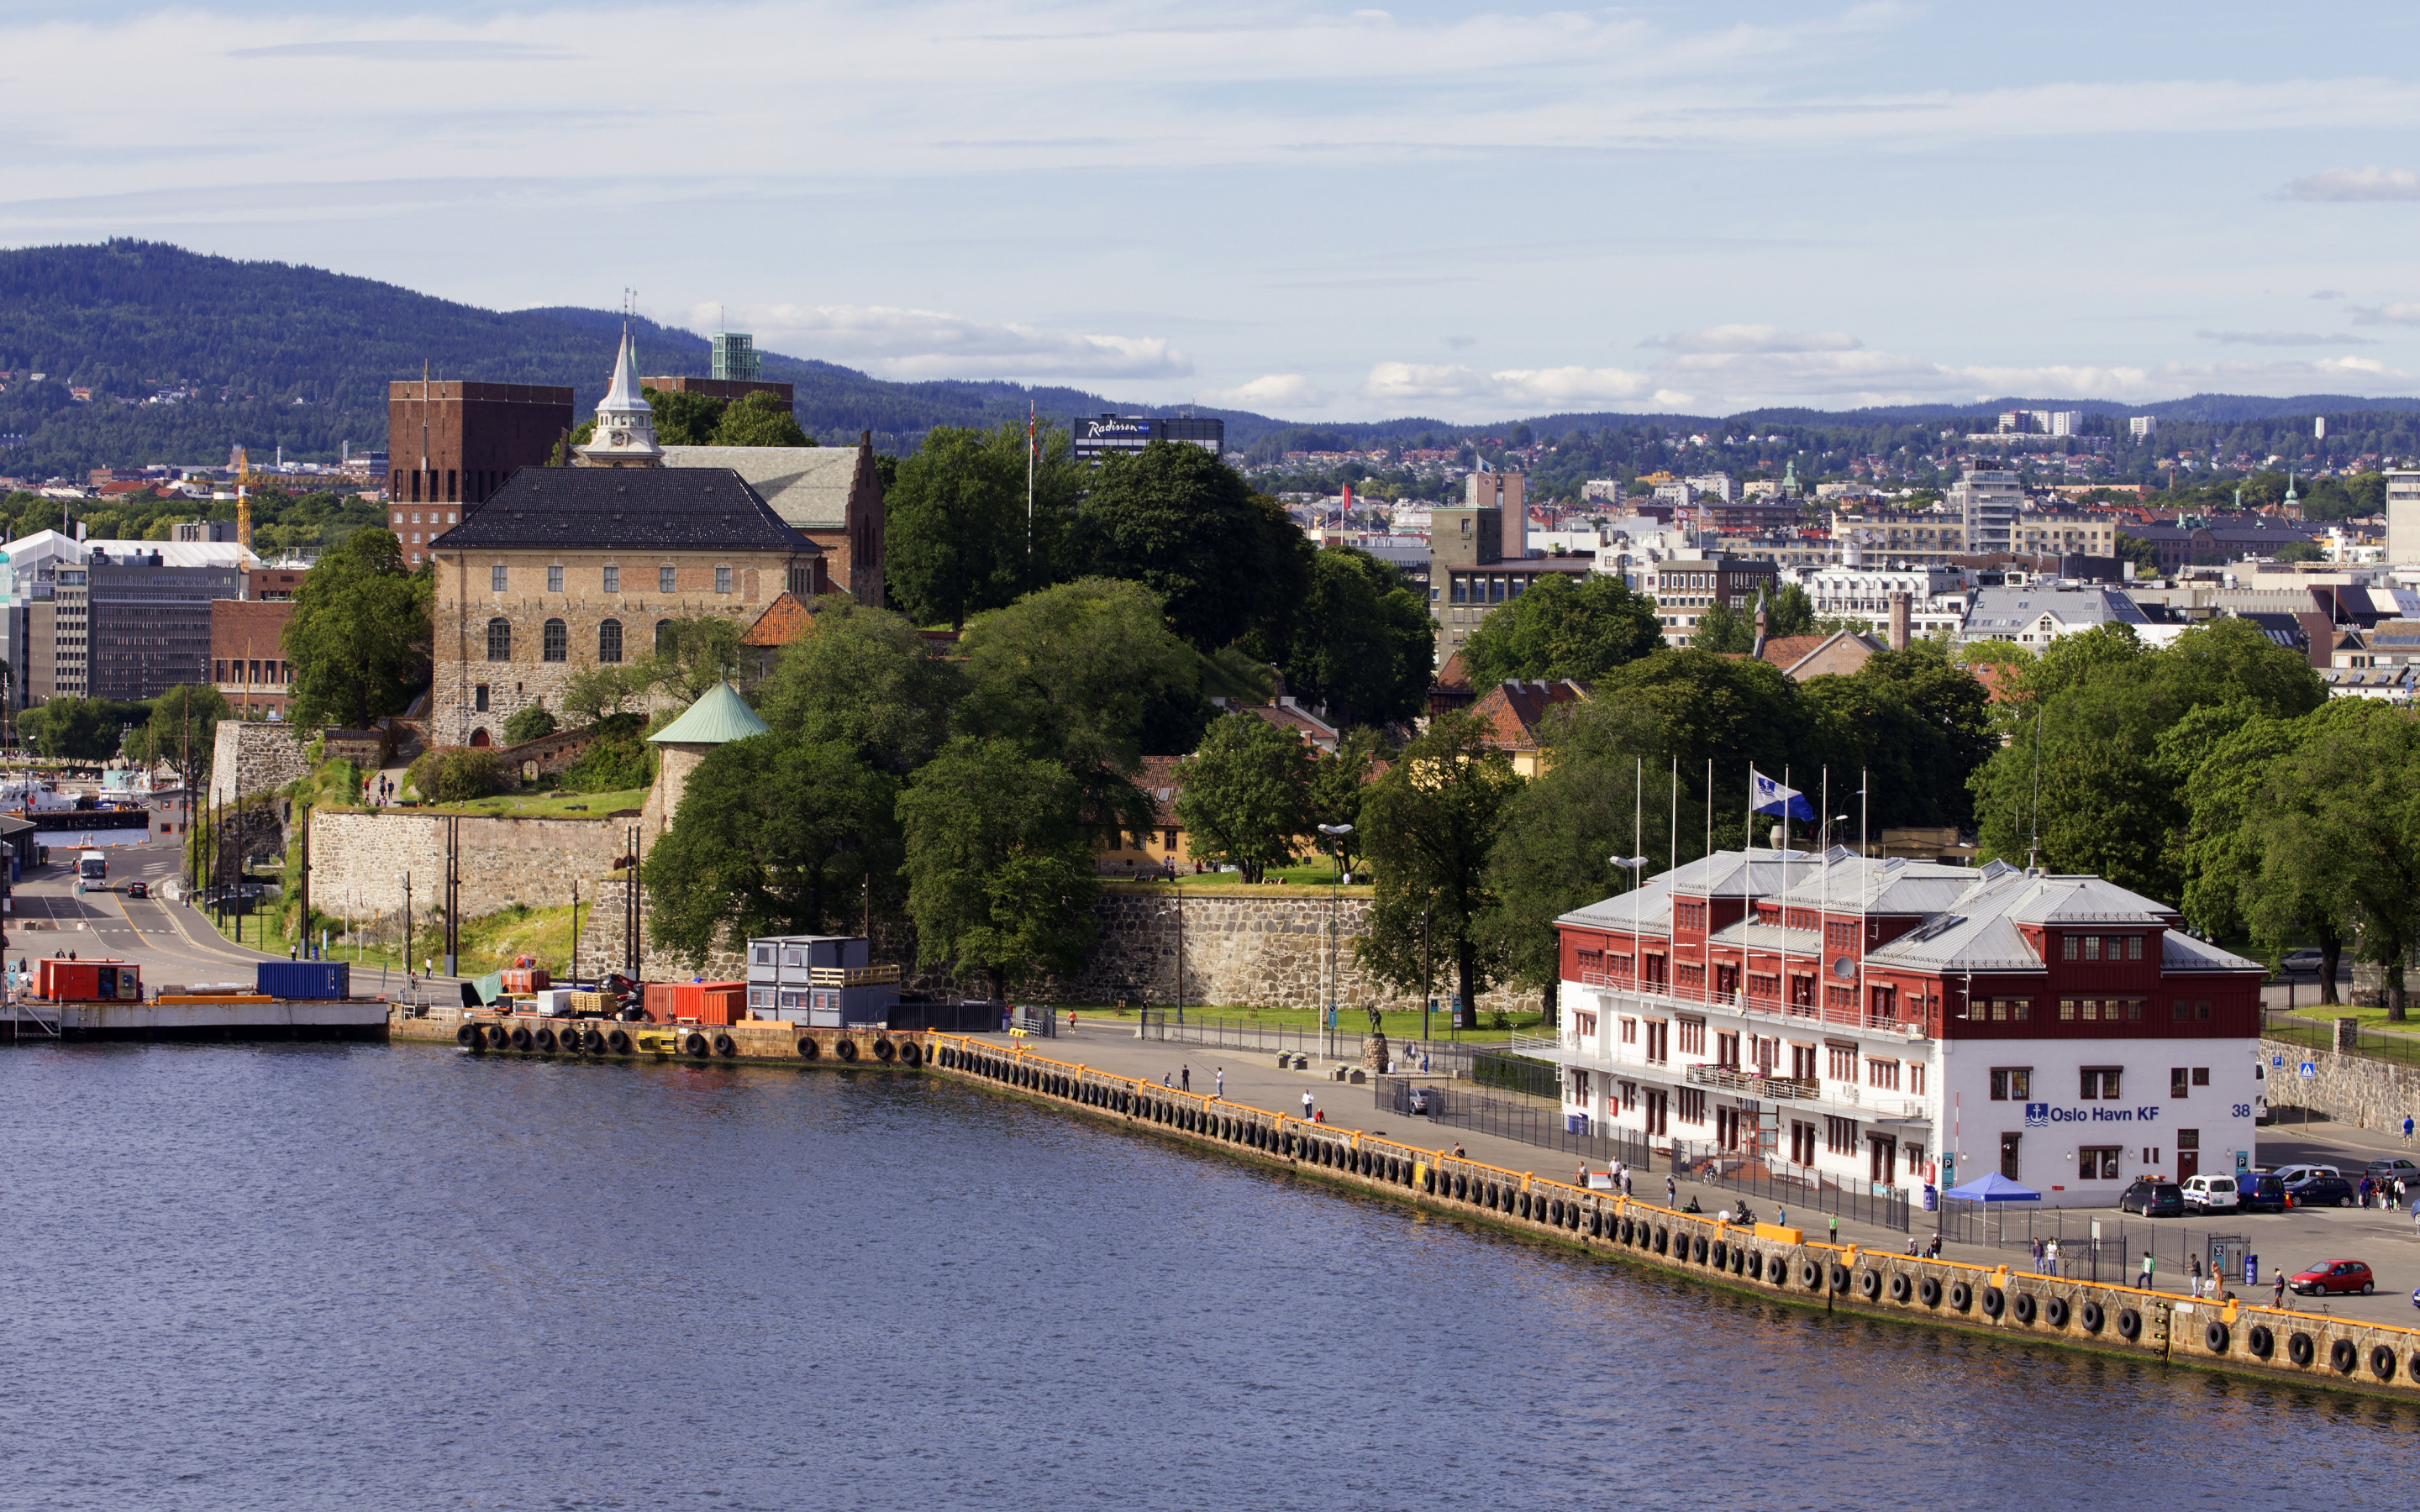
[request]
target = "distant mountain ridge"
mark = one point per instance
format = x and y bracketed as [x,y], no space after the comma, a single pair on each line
[281,355]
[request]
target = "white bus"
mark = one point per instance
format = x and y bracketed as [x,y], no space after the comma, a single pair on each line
[92,867]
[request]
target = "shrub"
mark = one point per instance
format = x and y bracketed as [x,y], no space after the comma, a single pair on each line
[456,774]
[528,724]
[619,760]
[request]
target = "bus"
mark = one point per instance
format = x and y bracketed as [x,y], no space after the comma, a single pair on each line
[92,867]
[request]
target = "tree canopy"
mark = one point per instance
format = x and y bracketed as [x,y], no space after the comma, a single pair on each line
[1557,630]
[1245,798]
[358,641]
[1186,525]
[958,540]
[1358,641]
[1428,827]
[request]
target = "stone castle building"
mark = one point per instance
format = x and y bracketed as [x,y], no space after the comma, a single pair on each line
[565,568]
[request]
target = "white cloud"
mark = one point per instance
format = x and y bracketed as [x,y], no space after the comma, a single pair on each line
[2401,313]
[1755,339]
[2344,184]
[904,343]
[2281,338]
[1543,387]
[1271,392]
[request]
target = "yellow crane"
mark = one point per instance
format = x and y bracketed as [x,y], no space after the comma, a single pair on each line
[243,478]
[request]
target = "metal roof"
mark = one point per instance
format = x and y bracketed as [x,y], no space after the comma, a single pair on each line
[719,717]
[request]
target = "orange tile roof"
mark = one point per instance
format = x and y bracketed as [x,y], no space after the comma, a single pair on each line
[1996,678]
[1514,710]
[784,620]
[1787,651]
[1455,673]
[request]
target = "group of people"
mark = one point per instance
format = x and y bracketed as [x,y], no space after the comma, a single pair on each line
[377,791]
[2045,1257]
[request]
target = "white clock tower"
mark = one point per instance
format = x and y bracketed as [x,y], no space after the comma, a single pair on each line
[624,434]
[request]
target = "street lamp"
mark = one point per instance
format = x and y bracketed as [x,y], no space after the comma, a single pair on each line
[1335,834]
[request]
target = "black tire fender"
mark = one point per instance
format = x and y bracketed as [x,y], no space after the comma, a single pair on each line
[909,1054]
[808,1049]
[1777,1270]
[469,1038]
[2300,1348]
[883,1048]
[2025,1307]
[1698,1250]
[2343,1355]
[695,1044]
[1900,1287]
[1811,1275]
[1663,1240]
[544,1038]
[1839,1276]
[2054,1312]
[1869,1284]
[2091,1316]
[2381,1361]
[1931,1291]
[2129,1324]
[2260,1340]
[1995,1302]
[616,1042]
[846,1048]
[2214,1337]
[1962,1296]
[725,1046]
[521,1037]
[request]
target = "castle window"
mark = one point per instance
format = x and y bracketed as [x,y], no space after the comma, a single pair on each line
[664,635]
[665,583]
[722,579]
[500,638]
[609,640]
[557,645]
[554,579]
[613,580]
[496,578]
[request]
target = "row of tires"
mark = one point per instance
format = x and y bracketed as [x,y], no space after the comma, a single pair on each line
[546,1040]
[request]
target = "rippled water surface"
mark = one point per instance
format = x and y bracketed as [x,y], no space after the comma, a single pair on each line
[402,1278]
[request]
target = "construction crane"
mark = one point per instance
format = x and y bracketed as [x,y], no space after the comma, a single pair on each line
[244,479]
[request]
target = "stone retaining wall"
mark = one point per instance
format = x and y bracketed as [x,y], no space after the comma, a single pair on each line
[360,857]
[248,760]
[2353,1090]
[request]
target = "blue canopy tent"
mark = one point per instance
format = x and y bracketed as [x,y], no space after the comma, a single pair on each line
[1994,1188]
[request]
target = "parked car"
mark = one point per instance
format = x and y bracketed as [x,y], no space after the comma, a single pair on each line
[2301,963]
[1417,1101]
[139,889]
[2320,1192]
[2330,1276]
[2391,1170]
[2211,1194]
[2291,1174]
[2260,1191]
[2154,1199]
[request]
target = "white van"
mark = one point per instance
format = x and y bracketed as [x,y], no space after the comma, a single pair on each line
[2291,1174]
[2212,1193]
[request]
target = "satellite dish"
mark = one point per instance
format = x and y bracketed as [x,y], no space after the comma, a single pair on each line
[1844,967]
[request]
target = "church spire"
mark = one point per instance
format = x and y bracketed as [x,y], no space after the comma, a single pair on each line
[624,433]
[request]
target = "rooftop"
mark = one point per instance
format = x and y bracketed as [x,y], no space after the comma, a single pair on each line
[701,509]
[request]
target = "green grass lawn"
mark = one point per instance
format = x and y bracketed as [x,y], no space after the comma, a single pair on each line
[1287,879]
[488,944]
[543,804]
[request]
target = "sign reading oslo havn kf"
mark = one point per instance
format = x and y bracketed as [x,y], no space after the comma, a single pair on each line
[2041,1115]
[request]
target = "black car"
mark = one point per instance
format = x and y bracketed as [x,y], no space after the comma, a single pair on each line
[139,889]
[2154,1199]
[2260,1191]
[2321,1191]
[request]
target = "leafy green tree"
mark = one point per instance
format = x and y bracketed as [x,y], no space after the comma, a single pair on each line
[592,693]
[2091,710]
[1722,629]
[1338,781]
[1733,713]
[529,724]
[1077,674]
[1186,525]
[1557,630]
[760,419]
[865,679]
[775,835]
[1916,723]
[82,730]
[1428,827]
[182,731]
[1360,642]
[682,418]
[457,774]
[2298,551]
[2222,760]
[616,760]
[1246,798]
[2340,831]
[690,655]
[958,536]
[998,863]
[1606,791]
[359,638]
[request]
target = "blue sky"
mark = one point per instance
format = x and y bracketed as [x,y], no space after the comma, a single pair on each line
[1464,212]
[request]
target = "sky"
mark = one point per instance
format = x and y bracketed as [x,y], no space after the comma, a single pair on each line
[1464,212]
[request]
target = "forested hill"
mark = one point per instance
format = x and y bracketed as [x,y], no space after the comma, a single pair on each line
[277,354]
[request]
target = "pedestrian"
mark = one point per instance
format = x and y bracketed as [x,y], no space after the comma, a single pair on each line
[1625,1183]
[1306,1114]
[1671,1193]
[2033,1252]
[1780,1215]
[2196,1269]
[1220,1076]
[2050,1257]
[1835,1228]
[2144,1278]
[1185,1078]
[2407,1128]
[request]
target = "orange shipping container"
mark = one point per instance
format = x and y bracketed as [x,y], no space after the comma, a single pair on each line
[519,980]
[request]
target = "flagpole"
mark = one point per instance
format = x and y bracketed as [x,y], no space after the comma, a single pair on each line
[1823,859]
[1784,913]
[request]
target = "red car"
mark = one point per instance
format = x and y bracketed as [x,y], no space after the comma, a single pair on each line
[2334,1275]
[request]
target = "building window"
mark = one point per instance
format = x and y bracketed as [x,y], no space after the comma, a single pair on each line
[500,638]
[2097,1162]
[1693,1038]
[2067,948]
[479,698]
[1883,1075]
[1801,1143]
[2179,1081]
[1843,1062]
[1693,1105]
[1915,1077]
[722,579]
[609,641]
[2101,1084]
[665,580]
[557,642]
[1629,1032]
[2202,1076]
[1659,1041]
[1840,1135]
[496,578]
[613,580]
[2134,947]
[554,579]
[2092,947]
[2013,1083]
[664,635]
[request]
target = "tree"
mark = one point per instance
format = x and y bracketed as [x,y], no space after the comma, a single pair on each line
[83,730]
[1606,791]
[681,417]
[998,862]
[690,655]
[1184,524]
[1338,781]
[2223,760]
[759,419]
[1723,629]
[1359,643]
[1075,674]
[864,678]
[358,641]
[183,730]
[1428,827]
[775,835]
[529,724]
[1919,725]
[456,774]
[1557,630]
[594,693]
[2341,829]
[1734,713]
[2298,551]
[958,538]
[1246,796]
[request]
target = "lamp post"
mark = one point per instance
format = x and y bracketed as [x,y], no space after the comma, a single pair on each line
[1335,834]
[407,926]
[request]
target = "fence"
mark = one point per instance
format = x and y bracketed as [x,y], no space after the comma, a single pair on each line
[1517,1074]
[1860,1201]
[2115,1256]
[1437,1057]
[1527,1124]
[2356,1039]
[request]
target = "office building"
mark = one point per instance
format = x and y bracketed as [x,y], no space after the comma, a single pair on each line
[456,444]
[1986,504]
[1099,437]
[128,624]
[2403,519]
[732,356]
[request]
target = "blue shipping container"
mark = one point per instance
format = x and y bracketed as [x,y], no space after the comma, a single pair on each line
[309,980]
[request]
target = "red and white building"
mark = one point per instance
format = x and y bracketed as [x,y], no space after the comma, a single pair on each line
[1856,1019]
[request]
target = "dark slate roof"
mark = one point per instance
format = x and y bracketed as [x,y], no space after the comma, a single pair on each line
[620,509]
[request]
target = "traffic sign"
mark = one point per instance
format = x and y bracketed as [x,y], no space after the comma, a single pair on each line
[2309,1069]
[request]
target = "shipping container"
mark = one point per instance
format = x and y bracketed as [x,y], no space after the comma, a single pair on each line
[697,1002]
[314,981]
[523,980]
[87,981]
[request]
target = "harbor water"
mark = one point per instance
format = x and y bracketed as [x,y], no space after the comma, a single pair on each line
[318,1275]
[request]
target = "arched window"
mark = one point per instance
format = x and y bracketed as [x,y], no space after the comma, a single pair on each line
[557,645]
[608,641]
[663,637]
[480,736]
[500,639]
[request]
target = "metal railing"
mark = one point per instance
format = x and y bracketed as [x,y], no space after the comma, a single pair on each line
[1913,1024]
[1248,1034]
[1756,1084]
[2357,1040]
[2113,1254]
[1786,1185]
[1475,1112]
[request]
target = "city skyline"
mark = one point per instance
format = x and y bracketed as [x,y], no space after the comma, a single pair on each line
[1444,211]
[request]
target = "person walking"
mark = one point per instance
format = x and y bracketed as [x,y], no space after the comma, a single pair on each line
[1671,1193]
[2277,1297]
[2144,1278]
[2033,1252]
[1185,1078]
[1780,1216]
[1218,1079]
[1625,1183]
[1306,1115]
[2049,1258]
[2407,1128]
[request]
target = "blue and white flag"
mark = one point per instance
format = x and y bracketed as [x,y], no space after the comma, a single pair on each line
[1773,798]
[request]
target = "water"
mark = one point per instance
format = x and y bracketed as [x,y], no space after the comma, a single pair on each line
[319,1276]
